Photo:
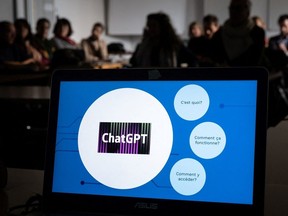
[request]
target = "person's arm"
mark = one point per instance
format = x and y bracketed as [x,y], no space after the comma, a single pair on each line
[282,46]
[273,43]
[103,49]
[14,65]
[36,55]
[89,57]
[133,59]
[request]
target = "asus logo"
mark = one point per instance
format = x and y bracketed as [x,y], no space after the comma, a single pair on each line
[154,74]
[143,205]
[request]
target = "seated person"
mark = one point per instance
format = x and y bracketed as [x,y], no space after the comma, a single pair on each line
[67,52]
[195,30]
[280,42]
[277,51]
[62,32]
[201,46]
[24,40]
[11,56]
[94,47]
[195,36]
[160,46]
[260,23]
[41,42]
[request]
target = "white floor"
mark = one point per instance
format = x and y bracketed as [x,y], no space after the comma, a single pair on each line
[277,171]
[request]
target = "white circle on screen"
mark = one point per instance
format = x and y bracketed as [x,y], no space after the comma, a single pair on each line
[208,140]
[191,102]
[125,170]
[187,176]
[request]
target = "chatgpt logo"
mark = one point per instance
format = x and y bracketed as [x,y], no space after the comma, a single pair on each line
[127,135]
[124,138]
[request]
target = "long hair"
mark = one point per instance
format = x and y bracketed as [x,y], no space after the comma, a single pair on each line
[59,24]
[166,37]
[4,29]
[19,24]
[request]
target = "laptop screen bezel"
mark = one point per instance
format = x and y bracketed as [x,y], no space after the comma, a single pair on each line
[57,202]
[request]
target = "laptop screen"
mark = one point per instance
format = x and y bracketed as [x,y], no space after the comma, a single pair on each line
[187,141]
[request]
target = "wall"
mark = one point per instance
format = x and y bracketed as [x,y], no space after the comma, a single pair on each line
[276,8]
[276,196]
[128,17]
[194,12]
[84,13]
[6,10]
[38,9]
[95,11]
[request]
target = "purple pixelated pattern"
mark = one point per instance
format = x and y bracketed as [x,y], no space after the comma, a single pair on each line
[119,129]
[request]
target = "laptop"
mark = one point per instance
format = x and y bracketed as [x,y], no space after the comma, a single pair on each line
[154,141]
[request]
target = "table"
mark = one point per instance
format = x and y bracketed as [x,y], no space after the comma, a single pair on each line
[23,77]
[108,65]
[25,92]
[23,183]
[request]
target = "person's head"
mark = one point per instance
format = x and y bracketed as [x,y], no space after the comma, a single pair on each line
[158,24]
[42,28]
[159,28]
[97,30]
[239,11]
[259,22]
[7,32]
[210,25]
[195,30]
[63,28]
[23,29]
[283,24]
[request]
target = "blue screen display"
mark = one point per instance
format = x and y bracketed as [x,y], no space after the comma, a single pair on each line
[177,140]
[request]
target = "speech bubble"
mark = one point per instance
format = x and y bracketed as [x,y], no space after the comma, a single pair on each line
[207,140]
[187,176]
[191,102]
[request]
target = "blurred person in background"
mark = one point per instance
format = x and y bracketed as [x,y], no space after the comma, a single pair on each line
[202,46]
[62,35]
[277,51]
[11,56]
[67,52]
[95,47]
[196,38]
[210,25]
[195,30]
[160,46]
[24,40]
[41,41]
[280,42]
[260,23]
[239,42]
